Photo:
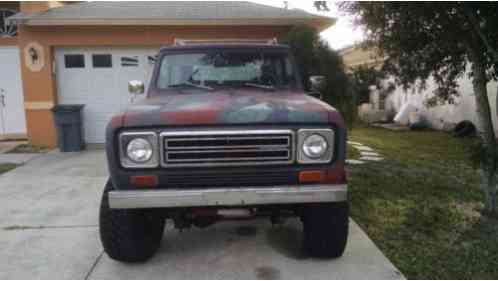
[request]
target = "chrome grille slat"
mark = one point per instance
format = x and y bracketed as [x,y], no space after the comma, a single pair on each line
[231,147]
[227,147]
[227,160]
[227,150]
[235,138]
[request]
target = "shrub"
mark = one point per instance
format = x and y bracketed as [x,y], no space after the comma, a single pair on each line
[315,57]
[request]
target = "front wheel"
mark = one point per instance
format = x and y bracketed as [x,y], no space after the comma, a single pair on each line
[128,235]
[325,228]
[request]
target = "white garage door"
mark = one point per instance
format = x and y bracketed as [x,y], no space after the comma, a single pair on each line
[98,78]
[12,117]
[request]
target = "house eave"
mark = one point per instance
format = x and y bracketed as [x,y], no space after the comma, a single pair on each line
[319,23]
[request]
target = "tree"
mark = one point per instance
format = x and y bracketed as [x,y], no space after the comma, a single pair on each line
[314,57]
[321,6]
[362,77]
[441,40]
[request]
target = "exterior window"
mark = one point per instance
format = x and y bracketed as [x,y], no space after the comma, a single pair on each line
[7,30]
[74,61]
[129,61]
[101,61]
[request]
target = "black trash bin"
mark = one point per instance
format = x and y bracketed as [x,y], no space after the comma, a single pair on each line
[69,122]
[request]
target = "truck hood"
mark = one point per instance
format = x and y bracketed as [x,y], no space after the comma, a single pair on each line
[227,107]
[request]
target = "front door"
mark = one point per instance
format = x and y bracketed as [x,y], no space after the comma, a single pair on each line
[12,116]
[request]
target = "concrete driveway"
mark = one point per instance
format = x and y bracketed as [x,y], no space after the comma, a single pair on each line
[48,221]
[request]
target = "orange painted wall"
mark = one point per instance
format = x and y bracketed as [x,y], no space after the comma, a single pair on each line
[38,6]
[8,41]
[39,124]
[39,87]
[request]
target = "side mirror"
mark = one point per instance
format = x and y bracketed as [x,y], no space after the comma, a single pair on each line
[317,81]
[136,87]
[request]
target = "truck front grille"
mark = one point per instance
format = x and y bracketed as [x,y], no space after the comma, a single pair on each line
[229,177]
[227,148]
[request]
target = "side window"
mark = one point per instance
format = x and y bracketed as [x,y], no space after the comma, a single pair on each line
[102,61]
[74,61]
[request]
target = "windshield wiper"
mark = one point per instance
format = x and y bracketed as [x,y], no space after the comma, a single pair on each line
[261,86]
[188,83]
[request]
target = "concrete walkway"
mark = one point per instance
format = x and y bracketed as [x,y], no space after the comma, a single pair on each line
[14,158]
[17,158]
[48,230]
[6,146]
[367,154]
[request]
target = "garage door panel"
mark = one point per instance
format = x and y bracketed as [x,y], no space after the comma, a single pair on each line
[101,87]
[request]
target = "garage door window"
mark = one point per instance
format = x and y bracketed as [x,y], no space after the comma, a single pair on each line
[100,61]
[129,61]
[74,61]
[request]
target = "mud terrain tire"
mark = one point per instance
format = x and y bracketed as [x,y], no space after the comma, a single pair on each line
[129,235]
[325,228]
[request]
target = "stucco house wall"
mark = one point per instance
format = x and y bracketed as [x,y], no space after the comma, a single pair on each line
[357,56]
[444,116]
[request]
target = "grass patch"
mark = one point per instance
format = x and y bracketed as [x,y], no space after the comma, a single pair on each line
[6,167]
[422,204]
[29,148]
[352,152]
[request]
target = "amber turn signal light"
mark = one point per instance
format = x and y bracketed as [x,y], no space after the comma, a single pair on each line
[311,176]
[144,181]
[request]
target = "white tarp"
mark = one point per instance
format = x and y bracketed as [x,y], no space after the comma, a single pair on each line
[403,116]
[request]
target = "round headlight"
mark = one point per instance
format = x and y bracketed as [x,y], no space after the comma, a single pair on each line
[139,150]
[315,146]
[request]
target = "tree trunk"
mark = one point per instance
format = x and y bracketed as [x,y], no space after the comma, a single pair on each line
[488,160]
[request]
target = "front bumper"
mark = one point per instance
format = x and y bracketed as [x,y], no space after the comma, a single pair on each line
[241,196]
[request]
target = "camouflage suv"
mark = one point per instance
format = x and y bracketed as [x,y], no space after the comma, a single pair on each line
[225,131]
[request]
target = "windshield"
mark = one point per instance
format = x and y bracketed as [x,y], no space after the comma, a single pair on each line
[208,70]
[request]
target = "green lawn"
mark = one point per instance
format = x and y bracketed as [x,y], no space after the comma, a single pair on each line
[422,204]
[6,167]
[352,153]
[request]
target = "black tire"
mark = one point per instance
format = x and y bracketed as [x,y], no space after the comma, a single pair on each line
[129,235]
[464,129]
[325,228]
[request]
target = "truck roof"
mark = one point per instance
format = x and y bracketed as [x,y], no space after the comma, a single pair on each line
[222,46]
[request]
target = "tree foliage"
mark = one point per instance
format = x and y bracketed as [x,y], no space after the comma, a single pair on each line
[314,57]
[424,39]
[321,6]
[445,41]
[362,77]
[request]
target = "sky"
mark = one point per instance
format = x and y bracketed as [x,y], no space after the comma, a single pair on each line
[341,35]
